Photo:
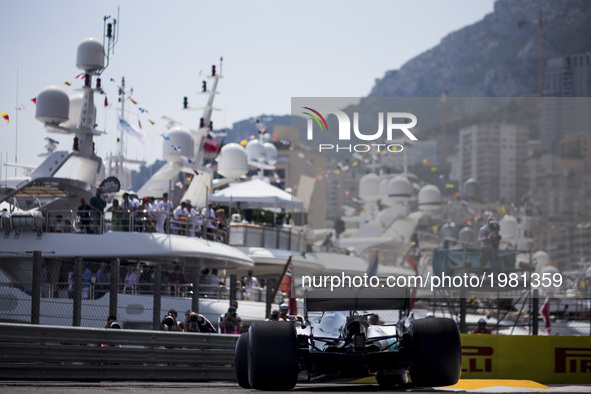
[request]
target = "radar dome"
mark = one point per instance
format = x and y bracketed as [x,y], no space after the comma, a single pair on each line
[233,161]
[508,227]
[179,143]
[255,151]
[270,153]
[541,259]
[471,190]
[429,198]
[369,187]
[467,235]
[90,56]
[53,105]
[75,105]
[398,188]
[383,188]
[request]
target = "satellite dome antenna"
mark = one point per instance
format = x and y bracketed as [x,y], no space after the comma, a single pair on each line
[53,104]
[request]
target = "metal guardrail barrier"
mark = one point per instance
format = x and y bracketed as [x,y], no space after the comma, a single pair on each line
[75,353]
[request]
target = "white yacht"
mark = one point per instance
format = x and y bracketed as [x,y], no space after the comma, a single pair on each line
[50,196]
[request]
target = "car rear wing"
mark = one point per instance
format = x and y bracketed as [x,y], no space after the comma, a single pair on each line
[357,299]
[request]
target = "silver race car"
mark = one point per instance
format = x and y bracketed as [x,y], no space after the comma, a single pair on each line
[340,344]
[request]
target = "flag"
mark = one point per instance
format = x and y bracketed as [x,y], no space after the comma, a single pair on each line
[142,110]
[220,146]
[34,99]
[166,138]
[210,144]
[151,121]
[111,79]
[196,172]
[186,160]
[176,148]
[106,102]
[545,312]
[132,100]
[123,125]
[372,269]
[5,116]
[139,123]
[286,282]
[501,210]
[449,186]
[68,83]
[179,184]
[81,76]
[20,107]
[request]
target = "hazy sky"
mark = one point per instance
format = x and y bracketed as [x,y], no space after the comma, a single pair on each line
[272,50]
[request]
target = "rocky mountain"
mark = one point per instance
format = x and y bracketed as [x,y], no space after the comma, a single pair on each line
[495,57]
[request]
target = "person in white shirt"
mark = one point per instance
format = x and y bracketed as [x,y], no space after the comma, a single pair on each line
[209,216]
[195,220]
[165,205]
[251,284]
[213,283]
[180,211]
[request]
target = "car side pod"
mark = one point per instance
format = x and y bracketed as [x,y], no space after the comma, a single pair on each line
[241,361]
[272,356]
[436,355]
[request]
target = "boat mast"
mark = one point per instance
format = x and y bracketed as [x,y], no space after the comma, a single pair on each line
[205,123]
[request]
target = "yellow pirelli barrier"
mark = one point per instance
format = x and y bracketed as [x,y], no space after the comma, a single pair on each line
[544,359]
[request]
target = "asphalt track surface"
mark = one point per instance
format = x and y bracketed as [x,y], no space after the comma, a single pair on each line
[226,387]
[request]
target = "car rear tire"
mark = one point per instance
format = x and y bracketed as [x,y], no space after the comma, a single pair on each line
[272,356]
[437,353]
[241,361]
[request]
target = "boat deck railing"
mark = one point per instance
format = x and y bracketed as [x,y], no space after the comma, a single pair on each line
[93,222]
[95,290]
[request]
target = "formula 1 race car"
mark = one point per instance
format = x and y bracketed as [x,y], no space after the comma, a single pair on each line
[341,344]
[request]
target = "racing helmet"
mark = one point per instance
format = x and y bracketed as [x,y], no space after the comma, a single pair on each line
[481,321]
[284,308]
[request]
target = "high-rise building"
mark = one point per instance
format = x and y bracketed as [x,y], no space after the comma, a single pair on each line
[567,88]
[495,155]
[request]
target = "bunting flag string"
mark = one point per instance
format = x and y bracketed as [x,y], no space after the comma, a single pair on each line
[5,116]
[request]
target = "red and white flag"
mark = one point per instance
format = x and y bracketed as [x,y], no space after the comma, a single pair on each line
[545,312]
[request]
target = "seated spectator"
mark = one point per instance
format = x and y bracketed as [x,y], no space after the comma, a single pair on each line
[195,322]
